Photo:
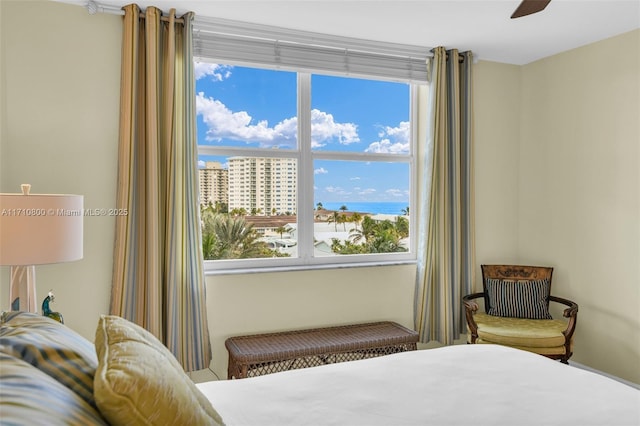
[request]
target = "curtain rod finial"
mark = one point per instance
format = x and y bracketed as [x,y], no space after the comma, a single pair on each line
[92,7]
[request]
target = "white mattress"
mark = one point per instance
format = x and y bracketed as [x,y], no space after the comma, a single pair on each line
[455,385]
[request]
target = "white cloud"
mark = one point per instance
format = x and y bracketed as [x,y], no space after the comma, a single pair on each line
[394,140]
[395,192]
[201,164]
[336,190]
[387,147]
[367,191]
[324,129]
[216,71]
[355,178]
[222,123]
[400,133]
[320,171]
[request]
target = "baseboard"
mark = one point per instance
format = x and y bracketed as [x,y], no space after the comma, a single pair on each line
[602,373]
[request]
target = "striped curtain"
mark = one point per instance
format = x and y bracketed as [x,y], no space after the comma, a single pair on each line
[158,277]
[446,251]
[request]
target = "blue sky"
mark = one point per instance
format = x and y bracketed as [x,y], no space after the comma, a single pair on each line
[248,107]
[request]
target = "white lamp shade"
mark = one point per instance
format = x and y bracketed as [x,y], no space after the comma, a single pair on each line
[38,229]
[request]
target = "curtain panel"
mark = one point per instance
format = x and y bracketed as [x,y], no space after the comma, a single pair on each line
[158,277]
[446,246]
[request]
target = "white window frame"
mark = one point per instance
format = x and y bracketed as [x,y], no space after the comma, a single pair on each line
[303,154]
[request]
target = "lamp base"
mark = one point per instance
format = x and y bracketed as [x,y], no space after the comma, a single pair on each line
[22,292]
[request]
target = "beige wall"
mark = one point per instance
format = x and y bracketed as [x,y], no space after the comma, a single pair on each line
[496,94]
[249,303]
[62,89]
[558,183]
[579,183]
[59,79]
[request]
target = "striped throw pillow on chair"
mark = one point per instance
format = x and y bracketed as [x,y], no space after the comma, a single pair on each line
[518,299]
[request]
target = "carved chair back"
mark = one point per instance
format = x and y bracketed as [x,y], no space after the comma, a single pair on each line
[514,273]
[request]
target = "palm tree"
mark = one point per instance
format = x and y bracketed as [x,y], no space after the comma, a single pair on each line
[209,246]
[368,227]
[405,211]
[346,247]
[343,208]
[335,219]
[282,229]
[386,240]
[356,218]
[402,226]
[366,232]
[344,219]
[319,206]
[228,237]
[374,237]
[238,211]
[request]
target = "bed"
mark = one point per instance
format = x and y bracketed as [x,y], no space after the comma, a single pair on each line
[456,385]
[51,375]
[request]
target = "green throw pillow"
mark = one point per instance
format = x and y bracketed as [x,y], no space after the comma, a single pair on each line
[139,381]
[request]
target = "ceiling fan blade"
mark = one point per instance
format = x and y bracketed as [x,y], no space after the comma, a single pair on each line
[527,7]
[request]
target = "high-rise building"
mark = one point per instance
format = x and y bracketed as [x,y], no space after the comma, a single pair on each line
[214,183]
[263,185]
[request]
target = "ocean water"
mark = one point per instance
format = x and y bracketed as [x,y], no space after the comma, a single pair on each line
[374,208]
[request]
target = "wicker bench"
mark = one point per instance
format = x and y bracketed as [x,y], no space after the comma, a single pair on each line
[260,354]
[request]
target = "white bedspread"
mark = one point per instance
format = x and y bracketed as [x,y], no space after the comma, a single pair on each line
[456,385]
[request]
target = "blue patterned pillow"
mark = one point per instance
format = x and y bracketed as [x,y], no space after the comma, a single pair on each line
[29,396]
[51,347]
[518,299]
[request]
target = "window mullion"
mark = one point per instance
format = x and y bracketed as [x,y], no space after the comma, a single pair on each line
[305,170]
[415,109]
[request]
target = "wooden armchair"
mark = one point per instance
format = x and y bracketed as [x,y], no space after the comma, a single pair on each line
[516,301]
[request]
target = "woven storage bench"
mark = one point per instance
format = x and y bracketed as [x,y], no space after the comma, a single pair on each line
[260,354]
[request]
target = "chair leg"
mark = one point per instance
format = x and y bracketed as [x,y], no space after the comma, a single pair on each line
[567,353]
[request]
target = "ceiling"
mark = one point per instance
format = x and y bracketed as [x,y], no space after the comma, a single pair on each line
[482,26]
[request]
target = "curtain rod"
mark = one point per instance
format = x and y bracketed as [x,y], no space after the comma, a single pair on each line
[93,8]
[208,23]
[226,26]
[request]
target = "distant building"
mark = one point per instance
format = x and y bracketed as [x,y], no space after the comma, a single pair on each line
[214,183]
[268,225]
[263,186]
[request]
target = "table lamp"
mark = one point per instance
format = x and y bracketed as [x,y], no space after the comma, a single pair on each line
[37,229]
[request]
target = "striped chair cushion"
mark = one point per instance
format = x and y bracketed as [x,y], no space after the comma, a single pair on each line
[518,299]
[29,396]
[51,347]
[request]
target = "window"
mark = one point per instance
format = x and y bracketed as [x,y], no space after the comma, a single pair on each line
[304,168]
